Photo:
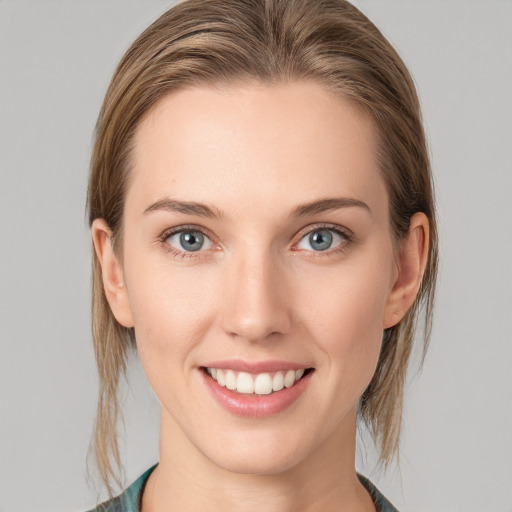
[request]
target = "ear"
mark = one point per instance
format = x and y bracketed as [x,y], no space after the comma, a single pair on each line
[112,273]
[411,264]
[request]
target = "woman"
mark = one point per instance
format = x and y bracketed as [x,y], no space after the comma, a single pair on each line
[262,215]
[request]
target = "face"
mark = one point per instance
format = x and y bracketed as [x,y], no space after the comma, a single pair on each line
[258,269]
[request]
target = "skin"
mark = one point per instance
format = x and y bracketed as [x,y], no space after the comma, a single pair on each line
[258,290]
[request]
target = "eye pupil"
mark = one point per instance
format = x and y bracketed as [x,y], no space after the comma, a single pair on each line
[191,240]
[320,240]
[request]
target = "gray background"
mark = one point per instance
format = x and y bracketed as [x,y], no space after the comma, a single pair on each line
[56,58]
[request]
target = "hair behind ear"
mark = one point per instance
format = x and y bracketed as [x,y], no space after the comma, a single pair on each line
[111,343]
[381,404]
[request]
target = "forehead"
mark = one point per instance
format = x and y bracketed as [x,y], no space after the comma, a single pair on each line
[291,142]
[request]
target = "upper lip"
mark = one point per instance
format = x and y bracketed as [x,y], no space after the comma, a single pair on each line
[255,366]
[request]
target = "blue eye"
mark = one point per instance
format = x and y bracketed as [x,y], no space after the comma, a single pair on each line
[189,241]
[321,240]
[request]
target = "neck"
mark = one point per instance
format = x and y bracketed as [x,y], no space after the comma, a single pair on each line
[186,480]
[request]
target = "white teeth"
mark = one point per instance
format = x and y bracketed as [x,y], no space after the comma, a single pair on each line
[230,379]
[244,383]
[261,384]
[220,378]
[289,379]
[278,381]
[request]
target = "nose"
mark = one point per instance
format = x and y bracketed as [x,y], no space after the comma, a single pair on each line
[255,303]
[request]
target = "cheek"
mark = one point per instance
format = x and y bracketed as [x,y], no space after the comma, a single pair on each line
[171,310]
[345,317]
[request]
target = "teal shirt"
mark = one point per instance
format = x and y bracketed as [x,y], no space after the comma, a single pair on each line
[130,500]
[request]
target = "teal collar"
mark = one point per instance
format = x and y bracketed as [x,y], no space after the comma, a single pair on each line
[131,499]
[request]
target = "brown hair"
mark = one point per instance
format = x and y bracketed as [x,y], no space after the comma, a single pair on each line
[200,42]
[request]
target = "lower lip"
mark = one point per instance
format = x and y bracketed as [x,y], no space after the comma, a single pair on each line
[256,406]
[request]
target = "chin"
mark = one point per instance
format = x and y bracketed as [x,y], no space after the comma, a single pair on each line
[269,464]
[256,455]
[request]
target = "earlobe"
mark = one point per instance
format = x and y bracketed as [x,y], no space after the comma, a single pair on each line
[412,261]
[112,273]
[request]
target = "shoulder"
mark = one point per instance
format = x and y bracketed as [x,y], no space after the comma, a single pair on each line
[379,500]
[130,499]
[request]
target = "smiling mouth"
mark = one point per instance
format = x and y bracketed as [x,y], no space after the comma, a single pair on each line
[256,384]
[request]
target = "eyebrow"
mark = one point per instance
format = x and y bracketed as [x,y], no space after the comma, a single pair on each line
[187,207]
[302,210]
[327,204]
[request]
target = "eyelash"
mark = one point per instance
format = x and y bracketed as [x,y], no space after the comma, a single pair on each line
[346,234]
[182,254]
